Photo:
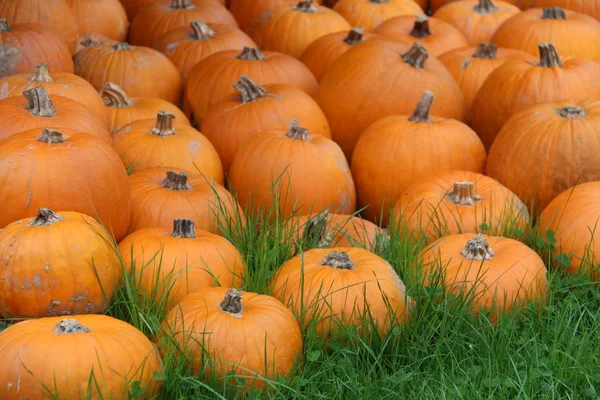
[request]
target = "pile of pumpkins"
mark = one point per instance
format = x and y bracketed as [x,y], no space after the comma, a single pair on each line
[132,131]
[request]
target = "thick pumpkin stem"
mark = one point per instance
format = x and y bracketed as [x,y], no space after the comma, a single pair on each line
[164,124]
[201,30]
[486,50]
[315,229]
[421,27]
[553,13]
[121,46]
[252,54]
[306,6]
[416,56]
[355,36]
[70,326]
[572,112]
[421,113]
[477,249]
[45,216]
[41,74]
[114,96]
[339,260]
[548,56]
[40,104]
[51,136]
[4,27]
[181,4]
[463,194]
[248,89]
[296,132]
[184,228]
[176,181]
[485,7]
[232,303]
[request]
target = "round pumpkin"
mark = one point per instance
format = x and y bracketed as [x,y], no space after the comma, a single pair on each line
[588,7]
[246,11]
[437,4]
[161,195]
[229,314]
[390,155]
[255,109]
[368,14]
[342,287]
[132,7]
[106,17]
[88,39]
[496,274]
[91,356]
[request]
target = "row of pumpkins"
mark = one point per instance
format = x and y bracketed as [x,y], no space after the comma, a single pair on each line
[97,133]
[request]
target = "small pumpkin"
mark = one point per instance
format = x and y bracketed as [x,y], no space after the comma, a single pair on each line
[368,14]
[106,17]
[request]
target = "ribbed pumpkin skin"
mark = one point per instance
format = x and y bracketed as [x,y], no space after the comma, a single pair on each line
[587,7]
[106,17]
[113,354]
[368,15]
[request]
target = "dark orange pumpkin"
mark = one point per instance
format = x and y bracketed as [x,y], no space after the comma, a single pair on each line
[246,11]
[368,14]
[132,7]
[106,17]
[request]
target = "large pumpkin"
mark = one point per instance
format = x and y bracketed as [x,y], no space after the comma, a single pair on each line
[588,7]
[106,17]
[546,149]
[396,151]
[368,14]
[91,356]
[63,171]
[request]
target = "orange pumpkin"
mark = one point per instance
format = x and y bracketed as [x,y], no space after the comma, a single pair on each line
[88,39]
[26,45]
[292,172]
[246,11]
[255,109]
[123,110]
[161,195]
[518,84]
[91,356]
[390,155]
[437,4]
[368,82]
[571,33]
[229,314]
[588,7]
[47,168]
[457,202]
[368,14]
[496,274]
[334,288]
[132,7]
[546,149]
[477,20]
[140,71]
[106,17]
[290,29]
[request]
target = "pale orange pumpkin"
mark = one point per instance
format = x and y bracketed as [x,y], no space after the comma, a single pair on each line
[368,14]
[106,17]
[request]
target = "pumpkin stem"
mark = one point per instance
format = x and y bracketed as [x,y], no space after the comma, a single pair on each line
[121,46]
[4,27]
[548,56]
[70,326]
[477,249]
[164,124]
[201,30]
[176,181]
[51,136]
[45,216]
[486,50]
[553,13]
[307,6]
[463,194]
[41,74]
[40,104]
[315,229]
[355,36]
[485,7]
[296,132]
[572,112]
[248,89]
[89,42]
[184,228]
[249,53]
[421,27]
[232,303]
[416,56]
[379,1]
[181,4]
[339,260]
[421,113]
[114,96]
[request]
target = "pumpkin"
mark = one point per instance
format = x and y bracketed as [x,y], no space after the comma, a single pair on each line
[323,52]
[112,22]
[161,195]
[435,35]
[123,110]
[477,20]
[390,155]
[161,16]
[132,7]
[532,151]
[246,11]
[91,356]
[185,47]
[212,78]
[342,287]
[290,29]
[140,71]
[56,264]
[496,274]
[571,33]
[368,14]
[588,7]
[518,84]
[437,4]
[573,218]
[58,83]
[63,171]
[168,264]
[369,82]
[24,46]
[88,39]
[292,172]
[35,108]
[459,202]
[207,322]
[255,109]
[55,15]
